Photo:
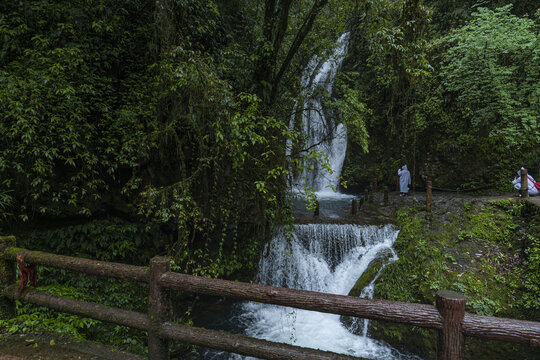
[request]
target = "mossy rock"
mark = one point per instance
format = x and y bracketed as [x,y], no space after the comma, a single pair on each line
[436,254]
[372,270]
[365,279]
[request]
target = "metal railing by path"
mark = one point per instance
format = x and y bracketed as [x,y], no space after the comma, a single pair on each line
[448,316]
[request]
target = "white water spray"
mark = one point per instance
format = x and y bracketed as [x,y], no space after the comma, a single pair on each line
[324,135]
[319,257]
[326,258]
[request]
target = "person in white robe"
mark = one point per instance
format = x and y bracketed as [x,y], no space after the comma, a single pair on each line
[404,180]
[530,183]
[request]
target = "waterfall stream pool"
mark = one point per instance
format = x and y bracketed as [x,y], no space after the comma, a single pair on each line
[327,258]
[322,256]
[332,205]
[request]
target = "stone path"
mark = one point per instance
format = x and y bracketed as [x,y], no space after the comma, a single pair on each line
[378,213]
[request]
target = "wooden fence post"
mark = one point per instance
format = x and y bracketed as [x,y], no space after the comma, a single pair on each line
[428,197]
[354,206]
[7,277]
[451,342]
[386,196]
[524,184]
[366,195]
[158,348]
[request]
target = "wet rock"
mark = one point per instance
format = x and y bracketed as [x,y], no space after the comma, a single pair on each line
[372,270]
[355,325]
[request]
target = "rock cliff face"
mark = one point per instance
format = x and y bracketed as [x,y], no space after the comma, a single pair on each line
[485,247]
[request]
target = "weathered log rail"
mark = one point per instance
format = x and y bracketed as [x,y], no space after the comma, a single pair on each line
[448,316]
[87,266]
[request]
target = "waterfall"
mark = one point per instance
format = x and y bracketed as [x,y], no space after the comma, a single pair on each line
[326,258]
[324,135]
[323,257]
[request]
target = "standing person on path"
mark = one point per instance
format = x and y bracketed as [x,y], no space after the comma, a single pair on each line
[404,180]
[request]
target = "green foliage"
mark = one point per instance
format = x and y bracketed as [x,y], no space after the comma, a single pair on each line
[491,67]
[393,287]
[453,94]
[531,300]
[478,251]
[471,252]
[388,51]
[32,318]
[109,239]
[485,307]
[355,115]
[225,164]
[105,110]
[492,226]
[531,269]
[68,121]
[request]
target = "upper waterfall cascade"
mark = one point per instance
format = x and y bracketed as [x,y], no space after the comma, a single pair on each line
[323,133]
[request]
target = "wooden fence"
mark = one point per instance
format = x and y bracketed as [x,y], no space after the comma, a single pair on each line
[448,316]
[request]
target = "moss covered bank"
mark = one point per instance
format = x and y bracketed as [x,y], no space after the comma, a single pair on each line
[488,250]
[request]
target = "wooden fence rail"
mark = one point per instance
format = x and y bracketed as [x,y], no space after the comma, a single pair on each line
[87,266]
[448,316]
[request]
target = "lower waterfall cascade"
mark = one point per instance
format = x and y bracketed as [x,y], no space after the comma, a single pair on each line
[327,258]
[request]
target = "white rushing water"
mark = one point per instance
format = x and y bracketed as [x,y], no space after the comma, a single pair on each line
[324,135]
[326,258]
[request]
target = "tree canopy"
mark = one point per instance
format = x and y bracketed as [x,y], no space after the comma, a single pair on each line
[176,114]
[491,68]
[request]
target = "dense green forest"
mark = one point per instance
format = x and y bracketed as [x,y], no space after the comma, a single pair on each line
[132,128]
[451,89]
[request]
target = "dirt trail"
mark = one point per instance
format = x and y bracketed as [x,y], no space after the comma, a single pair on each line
[377,212]
[51,347]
